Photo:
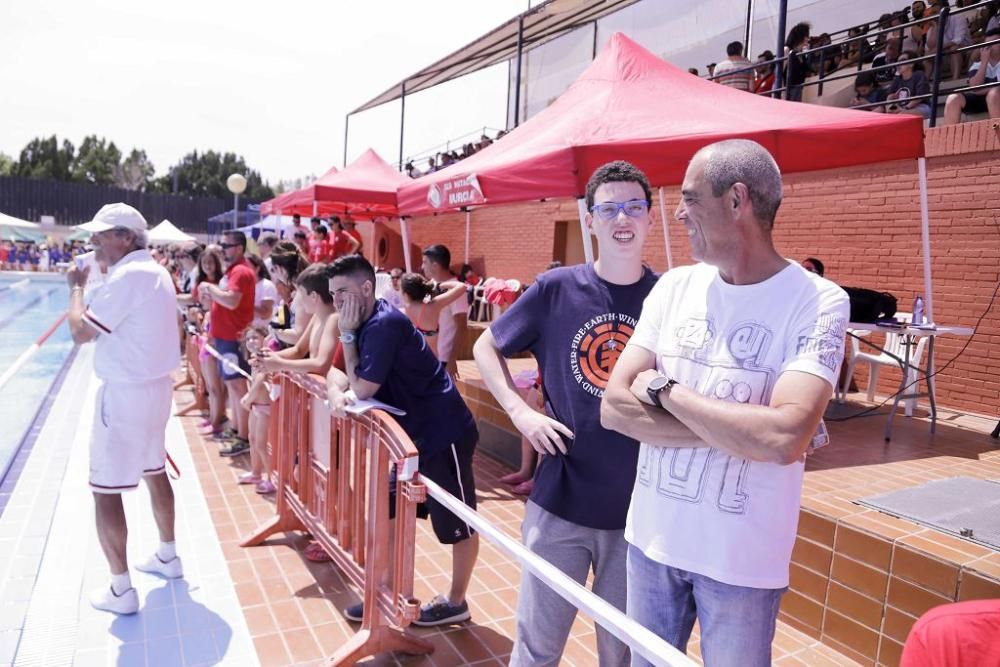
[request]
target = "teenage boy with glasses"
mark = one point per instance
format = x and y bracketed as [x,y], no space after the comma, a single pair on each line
[575,516]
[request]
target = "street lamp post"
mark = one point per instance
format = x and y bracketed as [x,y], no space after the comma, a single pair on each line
[237,184]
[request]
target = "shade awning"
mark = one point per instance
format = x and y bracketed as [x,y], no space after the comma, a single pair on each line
[542,23]
[631,105]
[167,232]
[297,201]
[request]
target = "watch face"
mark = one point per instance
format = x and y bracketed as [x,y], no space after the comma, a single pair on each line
[657,383]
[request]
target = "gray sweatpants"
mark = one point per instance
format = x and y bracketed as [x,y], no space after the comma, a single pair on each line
[543,617]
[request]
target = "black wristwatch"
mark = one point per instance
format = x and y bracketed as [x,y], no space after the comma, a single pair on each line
[658,385]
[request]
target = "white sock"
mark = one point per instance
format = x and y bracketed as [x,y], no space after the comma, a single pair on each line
[167,551]
[120,583]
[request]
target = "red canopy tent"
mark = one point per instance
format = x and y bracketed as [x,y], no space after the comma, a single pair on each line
[301,201]
[366,187]
[632,105]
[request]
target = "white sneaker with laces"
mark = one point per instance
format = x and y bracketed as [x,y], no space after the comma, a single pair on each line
[170,569]
[106,599]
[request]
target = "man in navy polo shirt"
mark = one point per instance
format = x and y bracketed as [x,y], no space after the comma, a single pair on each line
[387,359]
[575,517]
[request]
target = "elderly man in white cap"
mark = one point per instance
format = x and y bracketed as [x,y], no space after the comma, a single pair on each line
[132,317]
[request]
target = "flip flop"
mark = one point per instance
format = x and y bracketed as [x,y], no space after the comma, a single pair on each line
[316,554]
[513,478]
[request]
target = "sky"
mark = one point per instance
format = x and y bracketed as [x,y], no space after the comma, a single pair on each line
[271,81]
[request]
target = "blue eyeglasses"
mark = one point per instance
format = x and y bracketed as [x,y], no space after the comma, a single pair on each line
[633,208]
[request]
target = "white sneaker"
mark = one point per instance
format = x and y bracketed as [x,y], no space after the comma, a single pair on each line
[106,599]
[170,569]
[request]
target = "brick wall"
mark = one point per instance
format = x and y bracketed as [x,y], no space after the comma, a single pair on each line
[863,222]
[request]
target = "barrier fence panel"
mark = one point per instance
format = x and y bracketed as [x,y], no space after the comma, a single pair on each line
[333,481]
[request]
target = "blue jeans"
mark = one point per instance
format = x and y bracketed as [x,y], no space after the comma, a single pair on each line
[737,623]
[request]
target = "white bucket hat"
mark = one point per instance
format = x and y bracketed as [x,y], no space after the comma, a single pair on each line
[116,215]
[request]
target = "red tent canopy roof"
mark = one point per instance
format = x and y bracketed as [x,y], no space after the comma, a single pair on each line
[631,105]
[297,201]
[366,187]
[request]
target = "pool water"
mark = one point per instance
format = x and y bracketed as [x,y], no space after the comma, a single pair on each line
[26,312]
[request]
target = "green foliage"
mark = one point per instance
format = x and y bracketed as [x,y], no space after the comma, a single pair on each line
[45,158]
[96,161]
[100,161]
[205,174]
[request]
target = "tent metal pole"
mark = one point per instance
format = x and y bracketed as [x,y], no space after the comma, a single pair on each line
[925,237]
[517,74]
[347,124]
[404,230]
[748,33]
[402,121]
[666,228]
[468,221]
[315,208]
[588,247]
[780,49]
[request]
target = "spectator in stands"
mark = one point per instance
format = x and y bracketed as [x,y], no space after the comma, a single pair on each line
[265,294]
[960,634]
[431,166]
[423,301]
[453,322]
[986,70]
[917,36]
[484,141]
[857,49]
[909,82]
[301,239]
[693,70]
[724,421]
[956,35]
[351,229]
[386,359]
[726,72]
[232,312]
[575,517]
[813,265]
[265,244]
[798,65]
[764,73]
[827,58]
[867,92]
[884,77]
[412,171]
[710,67]
[994,19]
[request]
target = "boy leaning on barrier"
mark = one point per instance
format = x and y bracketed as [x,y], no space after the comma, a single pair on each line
[386,358]
[575,517]
[724,381]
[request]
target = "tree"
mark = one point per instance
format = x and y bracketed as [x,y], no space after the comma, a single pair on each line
[205,174]
[7,165]
[45,158]
[135,172]
[96,161]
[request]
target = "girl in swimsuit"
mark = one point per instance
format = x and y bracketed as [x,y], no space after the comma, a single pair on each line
[423,303]
[258,401]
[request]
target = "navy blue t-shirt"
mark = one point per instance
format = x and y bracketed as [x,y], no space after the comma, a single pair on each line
[577,325]
[394,355]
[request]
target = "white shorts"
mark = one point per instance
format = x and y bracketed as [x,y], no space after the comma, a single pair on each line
[129,433]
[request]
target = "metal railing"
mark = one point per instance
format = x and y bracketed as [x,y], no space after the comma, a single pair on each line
[822,52]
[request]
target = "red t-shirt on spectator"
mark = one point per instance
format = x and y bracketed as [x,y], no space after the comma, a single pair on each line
[341,244]
[229,324]
[357,237]
[955,635]
[319,250]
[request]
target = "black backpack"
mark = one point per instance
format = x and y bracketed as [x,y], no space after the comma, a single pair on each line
[867,305]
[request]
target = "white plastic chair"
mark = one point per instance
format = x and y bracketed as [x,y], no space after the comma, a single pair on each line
[481,310]
[383,283]
[894,343]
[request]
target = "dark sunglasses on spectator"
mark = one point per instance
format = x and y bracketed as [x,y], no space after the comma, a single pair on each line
[633,208]
[229,245]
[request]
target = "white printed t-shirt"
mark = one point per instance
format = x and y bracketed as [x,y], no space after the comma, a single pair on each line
[699,509]
[135,311]
[447,327]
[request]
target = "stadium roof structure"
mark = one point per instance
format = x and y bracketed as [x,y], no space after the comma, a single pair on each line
[538,25]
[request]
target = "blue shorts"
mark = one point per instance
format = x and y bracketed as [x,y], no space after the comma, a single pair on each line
[232,352]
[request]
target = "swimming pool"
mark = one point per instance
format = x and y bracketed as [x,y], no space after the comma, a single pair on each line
[27,310]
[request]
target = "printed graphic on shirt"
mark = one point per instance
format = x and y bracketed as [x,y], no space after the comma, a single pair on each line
[729,369]
[596,347]
[825,339]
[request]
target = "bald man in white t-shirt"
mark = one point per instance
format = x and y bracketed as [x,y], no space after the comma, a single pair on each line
[132,319]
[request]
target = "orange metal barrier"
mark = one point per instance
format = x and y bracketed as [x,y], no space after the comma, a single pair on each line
[193,376]
[338,490]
